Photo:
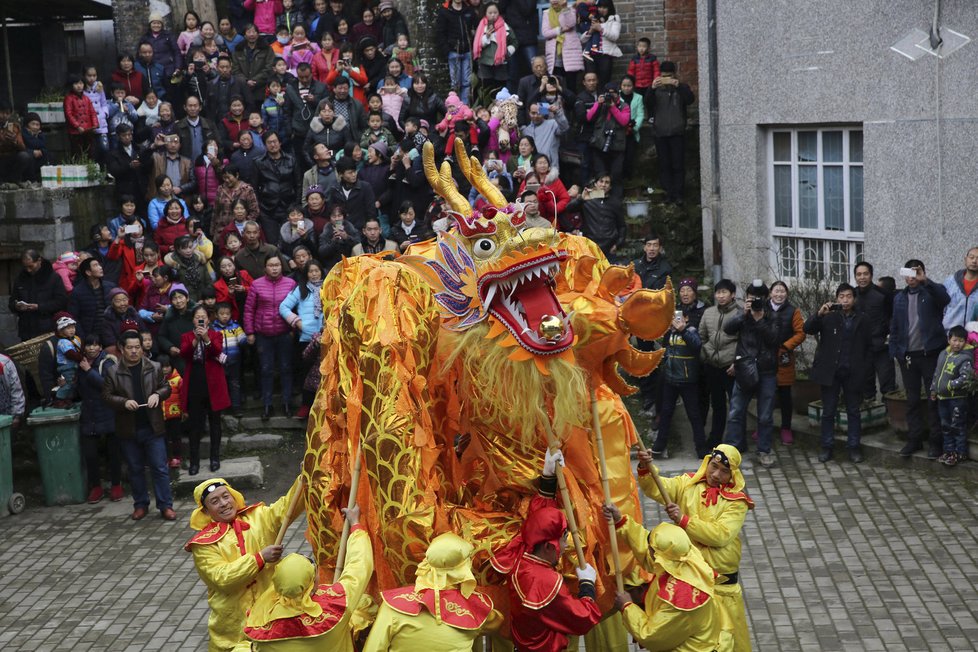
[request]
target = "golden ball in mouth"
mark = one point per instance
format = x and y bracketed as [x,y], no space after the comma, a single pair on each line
[551,328]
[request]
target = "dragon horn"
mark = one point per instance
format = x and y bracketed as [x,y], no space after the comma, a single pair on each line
[477,176]
[442,182]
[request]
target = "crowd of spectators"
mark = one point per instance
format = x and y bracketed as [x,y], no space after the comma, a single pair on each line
[249,157]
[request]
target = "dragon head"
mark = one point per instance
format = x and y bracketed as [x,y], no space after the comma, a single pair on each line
[493,266]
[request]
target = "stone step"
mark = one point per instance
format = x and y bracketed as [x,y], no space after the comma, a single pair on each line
[243,472]
[243,441]
[256,424]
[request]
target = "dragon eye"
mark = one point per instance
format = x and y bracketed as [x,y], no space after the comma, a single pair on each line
[484,247]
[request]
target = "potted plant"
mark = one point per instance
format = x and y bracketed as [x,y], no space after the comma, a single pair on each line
[49,106]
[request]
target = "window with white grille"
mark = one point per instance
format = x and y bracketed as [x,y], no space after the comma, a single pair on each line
[815,191]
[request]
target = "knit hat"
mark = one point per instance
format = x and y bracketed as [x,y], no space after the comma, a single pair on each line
[64,320]
[611,86]
[179,287]
[129,325]
[667,66]
[156,17]
[114,292]
[68,257]
[385,4]
[315,189]
[688,282]
[381,148]
[424,124]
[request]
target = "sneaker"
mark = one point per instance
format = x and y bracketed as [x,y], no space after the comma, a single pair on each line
[587,56]
[787,436]
[950,459]
[767,460]
[96,495]
[174,463]
[115,493]
[754,435]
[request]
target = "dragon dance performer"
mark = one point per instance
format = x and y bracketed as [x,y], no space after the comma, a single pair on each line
[543,611]
[233,545]
[711,505]
[442,612]
[296,615]
[680,613]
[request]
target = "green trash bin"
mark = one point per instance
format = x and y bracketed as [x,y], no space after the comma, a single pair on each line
[57,439]
[10,501]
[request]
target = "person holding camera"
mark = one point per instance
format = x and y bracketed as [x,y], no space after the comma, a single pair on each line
[610,117]
[755,371]
[843,356]
[603,219]
[204,390]
[668,101]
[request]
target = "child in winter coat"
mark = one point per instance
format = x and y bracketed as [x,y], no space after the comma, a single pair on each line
[81,120]
[173,415]
[68,353]
[234,338]
[300,50]
[121,112]
[951,388]
[392,96]
[273,110]
[376,132]
[407,55]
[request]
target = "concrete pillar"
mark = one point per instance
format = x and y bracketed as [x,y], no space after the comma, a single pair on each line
[130,18]
[421,16]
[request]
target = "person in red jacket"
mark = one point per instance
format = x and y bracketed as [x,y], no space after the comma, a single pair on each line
[544,613]
[552,196]
[204,388]
[644,67]
[81,120]
[129,78]
[172,226]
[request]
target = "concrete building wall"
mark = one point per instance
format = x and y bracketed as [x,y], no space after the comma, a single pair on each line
[782,63]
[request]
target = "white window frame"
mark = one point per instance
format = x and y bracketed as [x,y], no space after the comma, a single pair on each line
[851,241]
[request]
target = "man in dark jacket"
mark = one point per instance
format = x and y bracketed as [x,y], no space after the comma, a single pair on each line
[755,372]
[916,339]
[301,101]
[681,375]
[136,389]
[37,294]
[669,99]
[653,268]
[877,305]
[252,63]
[337,240]
[355,196]
[603,217]
[223,88]
[277,179]
[124,166]
[585,128]
[842,360]
[194,129]
[90,297]
[455,25]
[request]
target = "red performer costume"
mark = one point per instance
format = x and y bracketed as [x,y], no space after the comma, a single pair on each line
[544,612]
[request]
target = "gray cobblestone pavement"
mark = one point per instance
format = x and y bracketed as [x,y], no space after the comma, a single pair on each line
[837,557]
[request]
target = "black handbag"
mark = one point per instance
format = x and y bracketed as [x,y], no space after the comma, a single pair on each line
[746,373]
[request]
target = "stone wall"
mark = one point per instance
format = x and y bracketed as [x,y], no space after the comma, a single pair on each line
[51,221]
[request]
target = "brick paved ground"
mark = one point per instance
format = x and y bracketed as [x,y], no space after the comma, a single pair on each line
[837,557]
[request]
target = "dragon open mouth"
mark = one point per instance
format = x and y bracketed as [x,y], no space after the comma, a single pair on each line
[522,298]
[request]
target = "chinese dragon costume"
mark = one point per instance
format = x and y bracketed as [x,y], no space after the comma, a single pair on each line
[443,367]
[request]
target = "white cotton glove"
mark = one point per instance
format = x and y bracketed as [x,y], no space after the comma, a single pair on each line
[551,460]
[587,574]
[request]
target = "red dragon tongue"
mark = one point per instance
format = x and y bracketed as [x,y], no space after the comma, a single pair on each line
[537,300]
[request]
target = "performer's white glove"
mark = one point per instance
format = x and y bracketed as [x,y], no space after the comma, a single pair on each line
[550,462]
[587,574]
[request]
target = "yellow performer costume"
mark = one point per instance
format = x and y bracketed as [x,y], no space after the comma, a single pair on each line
[445,367]
[680,612]
[228,558]
[713,518]
[295,615]
[442,612]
